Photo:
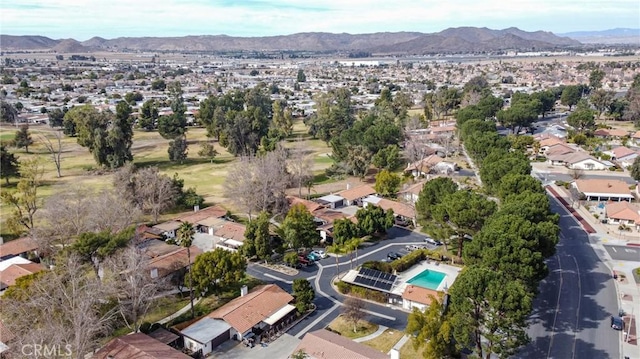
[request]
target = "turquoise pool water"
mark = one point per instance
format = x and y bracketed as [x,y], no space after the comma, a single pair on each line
[428,279]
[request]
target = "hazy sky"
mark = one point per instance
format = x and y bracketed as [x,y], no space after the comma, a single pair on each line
[83,19]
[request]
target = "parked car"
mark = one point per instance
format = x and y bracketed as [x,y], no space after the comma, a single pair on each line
[320,254]
[304,261]
[312,256]
[617,323]
[393,256]
[430,240]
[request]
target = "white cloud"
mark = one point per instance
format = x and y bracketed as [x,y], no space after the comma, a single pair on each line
[82,19]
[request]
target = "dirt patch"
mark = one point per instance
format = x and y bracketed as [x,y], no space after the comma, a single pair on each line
[280,268]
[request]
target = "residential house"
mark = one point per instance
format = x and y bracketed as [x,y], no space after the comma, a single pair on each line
[622,155]
[604,190]
[262,312]
[424,166]
[411,193]
[139,346]
[205,220]
[578,160]
[557,149]
[22,247]
[230,236]
[165,259]
[549,141]
[11,273]
[311,206]
[354,196]
[331,201]
[324,218]
[323,344]
[614,133]
[622,213]
[404,213]
[205,335]
[169,229]
[166,337]
[417,297]
[636,138]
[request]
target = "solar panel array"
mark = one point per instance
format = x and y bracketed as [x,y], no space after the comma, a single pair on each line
[375,279]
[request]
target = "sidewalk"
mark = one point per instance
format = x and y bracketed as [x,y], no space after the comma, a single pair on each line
[626,285]
[377,333]
[179,312]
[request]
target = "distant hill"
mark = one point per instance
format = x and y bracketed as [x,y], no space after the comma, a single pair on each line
[610,36]
[452,40]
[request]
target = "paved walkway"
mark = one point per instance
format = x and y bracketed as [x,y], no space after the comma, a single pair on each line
[179,312]
[377,333]
[400,343]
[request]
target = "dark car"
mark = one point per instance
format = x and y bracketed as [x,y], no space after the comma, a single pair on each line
[393,256]
[617,323]
[304,261]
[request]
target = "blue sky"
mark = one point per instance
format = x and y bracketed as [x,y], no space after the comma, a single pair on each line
[83,19]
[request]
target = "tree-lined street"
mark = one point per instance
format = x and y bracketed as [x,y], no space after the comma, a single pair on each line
[571,313]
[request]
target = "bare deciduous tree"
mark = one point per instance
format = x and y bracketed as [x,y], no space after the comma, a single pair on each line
[67,214]
[133,286]
[300,165]
[258,183]
[353,311]
[147,188]
[61,307]
[55,150]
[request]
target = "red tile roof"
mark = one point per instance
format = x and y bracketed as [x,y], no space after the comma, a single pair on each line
[138,346]
[209,212]
[603,186]
[18,246]
[622,210]
[356,192]
[247,311]
[15,271]
[170,262]
[323,344]
[231,230]
[310,205]
[419,294]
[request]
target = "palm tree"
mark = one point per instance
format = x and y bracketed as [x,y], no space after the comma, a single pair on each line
[185,239]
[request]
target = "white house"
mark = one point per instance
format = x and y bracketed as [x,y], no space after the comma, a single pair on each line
[417,297]
[604,190]
[623,213]
[168,228]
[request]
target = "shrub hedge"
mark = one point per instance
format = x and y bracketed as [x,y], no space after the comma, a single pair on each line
[405,262]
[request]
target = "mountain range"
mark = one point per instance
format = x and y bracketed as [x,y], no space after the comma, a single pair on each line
[452,40]
[611,36]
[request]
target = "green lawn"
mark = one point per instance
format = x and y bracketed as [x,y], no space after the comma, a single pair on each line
[385,341]
[364,328]
[149,149]
[407,351]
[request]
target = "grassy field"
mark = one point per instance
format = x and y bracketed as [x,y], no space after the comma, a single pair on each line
[407,351]
[385,341]
[345,328]
[149,149]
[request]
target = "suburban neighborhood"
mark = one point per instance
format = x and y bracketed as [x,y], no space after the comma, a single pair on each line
[199,205]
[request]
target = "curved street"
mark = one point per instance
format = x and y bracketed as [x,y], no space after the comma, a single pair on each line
[328,300]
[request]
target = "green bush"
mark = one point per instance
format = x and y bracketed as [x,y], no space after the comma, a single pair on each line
[377,265]
[361,292]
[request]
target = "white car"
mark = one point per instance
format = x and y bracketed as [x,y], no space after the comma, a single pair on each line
[430,240]
[320,254]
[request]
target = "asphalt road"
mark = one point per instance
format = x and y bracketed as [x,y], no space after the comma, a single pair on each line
[623,253]
[327,300]
[571,315]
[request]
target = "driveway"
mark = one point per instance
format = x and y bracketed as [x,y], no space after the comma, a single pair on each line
[279,348]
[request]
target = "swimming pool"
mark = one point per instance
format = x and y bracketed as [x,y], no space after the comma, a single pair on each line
[428,279]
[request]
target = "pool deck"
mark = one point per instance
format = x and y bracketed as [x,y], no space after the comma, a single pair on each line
[451,273]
